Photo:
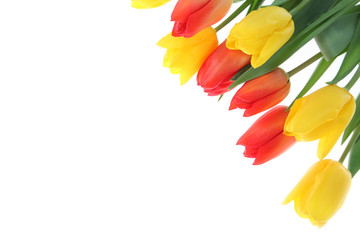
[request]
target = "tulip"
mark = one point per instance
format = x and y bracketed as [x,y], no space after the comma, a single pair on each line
[184,56]
[261,33]
[216,72]
[265,140]
[321,192]
[144,4]
[261,93]
[191,16]
[323,115]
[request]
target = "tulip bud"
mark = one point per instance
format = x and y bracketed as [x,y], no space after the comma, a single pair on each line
[261,33]
[265,140]
[184,56]
[323,115]
[216,72]
[261,93]
[193,16]
[321,192]
[144,4]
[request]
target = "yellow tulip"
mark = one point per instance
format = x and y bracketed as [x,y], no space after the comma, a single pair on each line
[321,192]
[323,115]
[144,4]
[261,33]
[185,56]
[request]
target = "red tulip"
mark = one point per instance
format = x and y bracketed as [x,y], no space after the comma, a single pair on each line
[265,140]
[262,93]
[216,72]
[192,16]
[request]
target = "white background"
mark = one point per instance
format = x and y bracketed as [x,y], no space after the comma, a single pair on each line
[99,141]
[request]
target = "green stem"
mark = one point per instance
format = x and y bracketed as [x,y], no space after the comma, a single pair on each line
[353,79]
[233,15]
[317,74]
[289,5]
[300,6]
[254,5]
[350,144]
[305,64]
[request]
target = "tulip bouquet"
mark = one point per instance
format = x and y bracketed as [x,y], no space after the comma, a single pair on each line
[251,55]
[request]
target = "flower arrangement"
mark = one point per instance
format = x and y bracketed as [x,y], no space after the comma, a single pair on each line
[251,55]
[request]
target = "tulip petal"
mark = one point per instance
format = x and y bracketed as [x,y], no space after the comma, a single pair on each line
[332,186]
[238,103]
[184,56]
[263,86]
[267,102]
[319,116]
[300,203]
[274,148]
[184,8]
[145,4]
[337,127]
[250,152]
[269,124]
[317,109]
[210,14]
[221,65]
[306,182]
[261,33]
[288,127]
[321,191]
[273,43]
[220,89]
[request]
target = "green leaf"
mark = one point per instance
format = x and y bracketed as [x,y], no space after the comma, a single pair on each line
[354,121]
[294,44]
[310,12]
[255,5]
[333,41]
[236,1]
[354,160]
[319,71]
[288,5]
[241,71]
[352,57]
[279,2]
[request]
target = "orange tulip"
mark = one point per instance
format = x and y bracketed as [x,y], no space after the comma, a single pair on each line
[192,16]
[265,140]
[262,93]
[216,72]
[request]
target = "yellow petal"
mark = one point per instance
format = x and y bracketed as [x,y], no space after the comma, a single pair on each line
[261,33]
[273,43]
[322,115]
[186,55]
[319,108]
[337,127]
[332,186]
[289,123]
[321,192]
[306,182]
[145,4]
[261,23]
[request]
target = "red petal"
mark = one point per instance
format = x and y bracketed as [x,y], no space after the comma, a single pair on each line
[220,89]
[268,101]
[208,15]
[184,8]
[263,86]
[250,152]
[220,66]
[238,103]
[274,148]
[265,128]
